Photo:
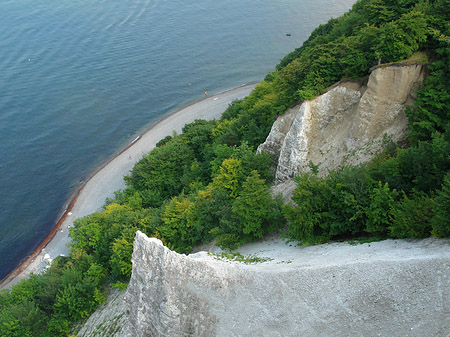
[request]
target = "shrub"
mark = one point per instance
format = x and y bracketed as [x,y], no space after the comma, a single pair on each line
[441,208]
[381,199]
[411,217]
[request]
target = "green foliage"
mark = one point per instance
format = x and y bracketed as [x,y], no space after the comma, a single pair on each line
[229,178]
[161,170]
[252,125]
[400,39]
[180,228]
[431,112]
[28,290]
[310,215]
[441,220]
[120,285]
[164,141]
[249,216]
[377,12]
[411,217]
[250,160]
[122,250]
[423,167]
[420,167]
[328,207]
[23,319]
[238,257]
[373,31]
[381,199]
[96,233]
[255,208]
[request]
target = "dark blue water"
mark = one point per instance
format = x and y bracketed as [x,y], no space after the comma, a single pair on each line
[79,79]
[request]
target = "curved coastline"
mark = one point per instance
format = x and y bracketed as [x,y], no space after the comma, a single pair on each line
[108,177]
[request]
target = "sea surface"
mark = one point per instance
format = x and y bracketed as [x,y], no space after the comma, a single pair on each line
[80,79]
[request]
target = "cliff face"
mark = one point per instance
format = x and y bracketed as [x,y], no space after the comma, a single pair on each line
[347,124]
[327,290]
[170,292]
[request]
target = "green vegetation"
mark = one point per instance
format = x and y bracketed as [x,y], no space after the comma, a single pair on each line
[238,257]
[208,182]
[402,193]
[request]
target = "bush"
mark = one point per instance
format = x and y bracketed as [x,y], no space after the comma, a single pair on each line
[308,221]
[441,208]
[162,169]
[328,207]
[411,217]
[381,200]
[180,228]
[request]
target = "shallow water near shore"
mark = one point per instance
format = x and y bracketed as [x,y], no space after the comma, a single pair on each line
[81,79]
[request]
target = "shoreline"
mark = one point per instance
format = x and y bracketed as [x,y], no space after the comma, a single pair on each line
[107,178]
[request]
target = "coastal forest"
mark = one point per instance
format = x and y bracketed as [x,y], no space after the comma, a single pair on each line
[209,183]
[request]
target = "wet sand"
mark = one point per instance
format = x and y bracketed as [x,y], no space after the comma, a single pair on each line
[109,177]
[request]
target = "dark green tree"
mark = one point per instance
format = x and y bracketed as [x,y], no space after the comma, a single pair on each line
[441,208]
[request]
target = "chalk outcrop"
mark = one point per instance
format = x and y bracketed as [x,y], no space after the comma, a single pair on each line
[389,288]
[347,124]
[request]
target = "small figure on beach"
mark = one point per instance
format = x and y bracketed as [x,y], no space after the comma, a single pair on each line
[206,93]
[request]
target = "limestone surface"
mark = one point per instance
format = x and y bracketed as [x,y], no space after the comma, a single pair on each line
[388,288]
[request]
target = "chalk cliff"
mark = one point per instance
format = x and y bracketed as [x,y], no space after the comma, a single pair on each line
[327,290]
[347,124]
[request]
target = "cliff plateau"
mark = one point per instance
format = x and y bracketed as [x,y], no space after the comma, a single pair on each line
[389,288]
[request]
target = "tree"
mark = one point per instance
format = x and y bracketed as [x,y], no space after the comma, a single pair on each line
[180,228]
[441,219]
[431,110]
[376,12]
[253,207]
[229,177]
[122,250]
[381,200]
[400,39]
[308,218]
[411,217]
[162,169]
[23,319]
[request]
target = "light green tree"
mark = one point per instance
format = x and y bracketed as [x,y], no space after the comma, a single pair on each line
[228,177]
[253,206]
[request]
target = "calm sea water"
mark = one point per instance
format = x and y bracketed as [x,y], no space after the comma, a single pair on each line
[79,79]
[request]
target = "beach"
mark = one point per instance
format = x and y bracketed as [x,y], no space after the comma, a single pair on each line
[109,177]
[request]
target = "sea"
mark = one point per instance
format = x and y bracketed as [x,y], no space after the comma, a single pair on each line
[80,79]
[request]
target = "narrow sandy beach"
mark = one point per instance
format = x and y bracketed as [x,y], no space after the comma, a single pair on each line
[109,178]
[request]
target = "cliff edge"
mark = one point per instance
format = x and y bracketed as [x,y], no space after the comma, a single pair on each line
[389,288]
